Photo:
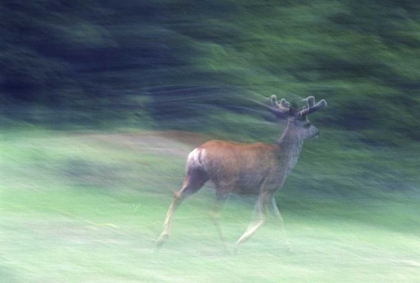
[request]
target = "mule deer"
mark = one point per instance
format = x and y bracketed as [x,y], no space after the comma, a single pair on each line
[258,169]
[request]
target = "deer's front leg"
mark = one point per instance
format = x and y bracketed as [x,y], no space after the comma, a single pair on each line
[279,219]
[260,211]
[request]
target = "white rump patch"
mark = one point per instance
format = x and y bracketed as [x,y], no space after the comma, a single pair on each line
[195,157]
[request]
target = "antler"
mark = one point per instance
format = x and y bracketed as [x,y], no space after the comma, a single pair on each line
[283,105]
[312,107]
[281,108]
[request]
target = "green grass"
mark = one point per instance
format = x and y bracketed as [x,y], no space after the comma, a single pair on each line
[89,207]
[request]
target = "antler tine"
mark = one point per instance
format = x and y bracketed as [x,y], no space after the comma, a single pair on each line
[282,106]
[310,100]
[312,107]
[284,103]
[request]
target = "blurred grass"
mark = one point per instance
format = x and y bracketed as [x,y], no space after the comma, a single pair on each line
[87,207]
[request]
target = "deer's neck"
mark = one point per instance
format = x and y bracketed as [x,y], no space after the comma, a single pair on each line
[291,145]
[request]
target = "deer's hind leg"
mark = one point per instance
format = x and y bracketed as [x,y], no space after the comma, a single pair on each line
[194,180]
[221,198]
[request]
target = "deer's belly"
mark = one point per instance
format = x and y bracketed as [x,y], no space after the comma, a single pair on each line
[248,184]
[252,183]
[241,190]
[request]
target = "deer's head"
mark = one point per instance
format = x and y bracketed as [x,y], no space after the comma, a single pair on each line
[298,124]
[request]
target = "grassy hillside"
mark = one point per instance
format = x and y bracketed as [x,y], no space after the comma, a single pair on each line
[82,207]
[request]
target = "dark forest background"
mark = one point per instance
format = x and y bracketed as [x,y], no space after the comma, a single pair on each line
[193,64]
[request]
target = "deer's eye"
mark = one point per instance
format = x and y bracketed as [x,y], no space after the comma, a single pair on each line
[307,125]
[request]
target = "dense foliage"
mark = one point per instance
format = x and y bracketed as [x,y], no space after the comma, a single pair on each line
[174,59]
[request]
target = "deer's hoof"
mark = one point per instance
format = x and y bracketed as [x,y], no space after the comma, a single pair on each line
[162,238]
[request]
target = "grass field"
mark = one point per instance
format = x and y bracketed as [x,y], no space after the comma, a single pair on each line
[88,207]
